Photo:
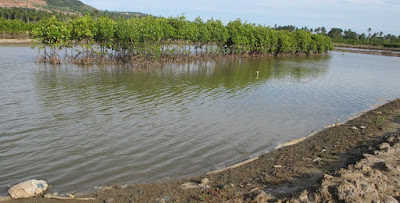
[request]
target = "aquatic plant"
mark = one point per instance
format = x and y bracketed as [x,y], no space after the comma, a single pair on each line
[87,40]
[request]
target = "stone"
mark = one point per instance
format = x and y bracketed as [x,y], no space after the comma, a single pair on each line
[384,146]
[205,181]
[163,199]
[109,200]
[204,186]
[29,188]
[363,127]
[263,197]
[189,185]
[389,199]
[317,160]
[354,128]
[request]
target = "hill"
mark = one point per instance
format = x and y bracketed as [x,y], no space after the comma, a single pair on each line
[65,6]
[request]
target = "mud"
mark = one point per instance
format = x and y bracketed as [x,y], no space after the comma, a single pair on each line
[15,41]
[366,47]
[371,52]
[340,163]
[375,178]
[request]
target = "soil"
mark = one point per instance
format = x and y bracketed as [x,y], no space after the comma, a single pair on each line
[321,167]
[355,46]
[365,49]
[372,52]
[15,41]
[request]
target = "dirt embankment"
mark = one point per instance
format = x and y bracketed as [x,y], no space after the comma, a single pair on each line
[15,41]
[375,178]
[365,49]
[285,174]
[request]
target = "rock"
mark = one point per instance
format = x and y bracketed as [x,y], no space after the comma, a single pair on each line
[354,128]
[363,127]
[317,160]
[254,190]
[278,166]
[163,199]
[389,199]
[263,197]
[323,150]
[384,146]
[189,185]
[303,197]
[109,200]
[204,186]
[205,181]
[29,188]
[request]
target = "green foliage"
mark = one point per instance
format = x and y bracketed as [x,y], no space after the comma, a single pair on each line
[83,30]
[13,26]
[52,32]
[153,38]
[379,120]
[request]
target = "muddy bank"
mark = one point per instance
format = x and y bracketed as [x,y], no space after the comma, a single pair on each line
[368,51]
[282,174]
[375,178]
[365,47]
[15,41]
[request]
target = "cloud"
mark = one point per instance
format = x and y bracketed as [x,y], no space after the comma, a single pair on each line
[392,2]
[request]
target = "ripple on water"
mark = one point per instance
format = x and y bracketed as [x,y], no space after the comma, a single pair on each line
[79,127]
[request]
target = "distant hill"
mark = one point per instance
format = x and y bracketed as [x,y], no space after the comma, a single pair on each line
[66,6]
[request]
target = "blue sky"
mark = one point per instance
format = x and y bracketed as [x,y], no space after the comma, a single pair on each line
[358,15]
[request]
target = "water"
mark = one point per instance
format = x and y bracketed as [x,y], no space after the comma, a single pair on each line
[79,127]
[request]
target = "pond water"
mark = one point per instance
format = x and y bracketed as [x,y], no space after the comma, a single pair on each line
[78,127]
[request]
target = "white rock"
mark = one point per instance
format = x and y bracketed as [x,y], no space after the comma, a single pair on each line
[363,127]
[317,159]
[354,128]
[205,181]
[29,188]
[189,185]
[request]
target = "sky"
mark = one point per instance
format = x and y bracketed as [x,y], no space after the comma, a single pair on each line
[357,15]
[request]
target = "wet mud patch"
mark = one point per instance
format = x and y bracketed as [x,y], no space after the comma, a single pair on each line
[289,173]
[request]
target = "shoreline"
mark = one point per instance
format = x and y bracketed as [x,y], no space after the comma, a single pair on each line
[360,46]
[360,49]
[282,173]
[370,52]
[16,41]
[366,49]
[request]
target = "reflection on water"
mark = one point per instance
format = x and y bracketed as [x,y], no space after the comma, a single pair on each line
[79,127]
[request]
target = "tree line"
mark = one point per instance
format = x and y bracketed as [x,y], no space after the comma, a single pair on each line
[339,35]
[17,21]
[89,40]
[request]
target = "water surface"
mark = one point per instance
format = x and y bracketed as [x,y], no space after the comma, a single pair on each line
[79,127]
